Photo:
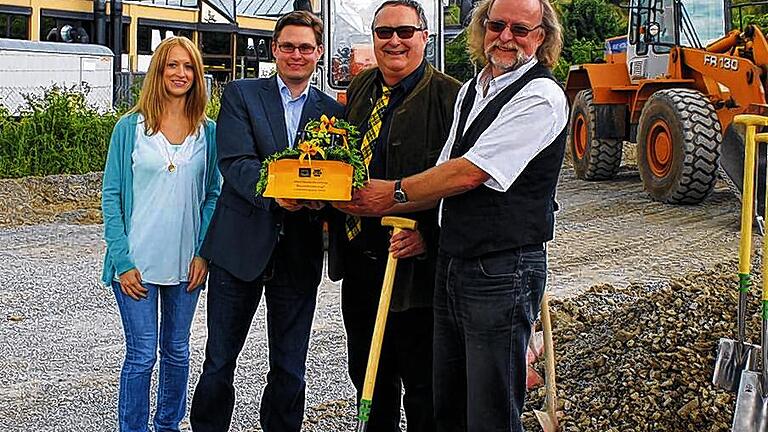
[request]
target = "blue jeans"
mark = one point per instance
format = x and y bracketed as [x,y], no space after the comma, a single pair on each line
[484,309]
[140,319]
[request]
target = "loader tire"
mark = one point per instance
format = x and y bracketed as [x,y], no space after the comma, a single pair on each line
[678,146]
[593,158]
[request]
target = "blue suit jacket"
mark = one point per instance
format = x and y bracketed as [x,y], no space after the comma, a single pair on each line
[245,227]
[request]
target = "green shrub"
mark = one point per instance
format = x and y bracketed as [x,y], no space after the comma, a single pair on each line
[457,62]
[214,103]
[56,134]
[60,134]
[452,15]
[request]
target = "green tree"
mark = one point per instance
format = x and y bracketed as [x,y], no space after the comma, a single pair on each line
[589,20]
[457,62]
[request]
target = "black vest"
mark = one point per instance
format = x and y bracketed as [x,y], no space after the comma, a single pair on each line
[483,220]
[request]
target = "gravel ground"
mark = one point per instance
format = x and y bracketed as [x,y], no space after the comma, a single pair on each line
[61,341]
[60,337]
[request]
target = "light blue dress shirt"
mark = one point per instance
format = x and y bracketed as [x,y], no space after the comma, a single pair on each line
[292,108]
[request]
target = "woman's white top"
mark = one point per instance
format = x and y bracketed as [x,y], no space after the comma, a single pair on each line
[168,192]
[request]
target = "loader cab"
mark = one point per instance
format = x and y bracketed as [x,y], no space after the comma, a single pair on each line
[655,26]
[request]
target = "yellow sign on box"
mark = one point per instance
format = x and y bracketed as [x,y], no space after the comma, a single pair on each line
[312,180]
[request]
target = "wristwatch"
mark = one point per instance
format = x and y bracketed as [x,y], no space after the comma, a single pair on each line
[400,196]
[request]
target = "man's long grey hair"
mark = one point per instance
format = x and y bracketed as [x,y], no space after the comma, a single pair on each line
[547,54]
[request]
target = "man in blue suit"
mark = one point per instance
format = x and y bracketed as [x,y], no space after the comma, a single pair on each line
[257,244]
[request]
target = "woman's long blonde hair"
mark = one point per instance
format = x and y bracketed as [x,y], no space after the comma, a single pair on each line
[154,94]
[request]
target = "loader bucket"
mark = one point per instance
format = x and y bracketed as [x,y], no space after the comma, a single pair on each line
[732,165]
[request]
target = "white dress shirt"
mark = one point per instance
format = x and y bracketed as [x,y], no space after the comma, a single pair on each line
[524,127]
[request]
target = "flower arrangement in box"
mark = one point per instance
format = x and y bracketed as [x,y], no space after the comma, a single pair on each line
[322,141]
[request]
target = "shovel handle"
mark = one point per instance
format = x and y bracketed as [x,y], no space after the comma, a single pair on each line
[366,398]
[549,350]
[379,327]
[747,210]
[747,207]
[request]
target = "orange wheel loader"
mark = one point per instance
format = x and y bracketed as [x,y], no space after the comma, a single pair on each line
[672,86]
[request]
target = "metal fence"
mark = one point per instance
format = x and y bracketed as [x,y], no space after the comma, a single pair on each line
[123,94]
[15,98]
[128,85]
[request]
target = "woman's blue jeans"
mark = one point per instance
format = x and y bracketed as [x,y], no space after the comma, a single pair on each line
[140,323]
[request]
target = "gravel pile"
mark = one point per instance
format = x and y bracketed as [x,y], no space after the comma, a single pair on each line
[641,358]
[57,198]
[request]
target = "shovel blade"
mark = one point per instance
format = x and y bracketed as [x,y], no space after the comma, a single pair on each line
[751,414]
[729,365]
[547,423]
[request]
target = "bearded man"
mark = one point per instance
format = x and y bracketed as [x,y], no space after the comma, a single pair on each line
[495,182]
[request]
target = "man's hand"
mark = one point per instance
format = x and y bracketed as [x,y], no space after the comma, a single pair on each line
[312,204]
[407,243]
[130,284]
[376,198]
[198,270]
[293,205]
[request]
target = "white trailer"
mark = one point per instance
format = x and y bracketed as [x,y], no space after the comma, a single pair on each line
[29,68]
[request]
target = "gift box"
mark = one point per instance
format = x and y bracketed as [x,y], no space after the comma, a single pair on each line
[326,164]
[322,180]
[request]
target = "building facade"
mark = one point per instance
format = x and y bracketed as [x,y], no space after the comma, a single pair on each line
[234,36]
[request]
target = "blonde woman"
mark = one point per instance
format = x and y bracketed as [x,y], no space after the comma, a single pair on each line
[160,189]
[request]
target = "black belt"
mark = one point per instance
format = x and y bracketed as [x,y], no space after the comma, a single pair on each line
[538,247]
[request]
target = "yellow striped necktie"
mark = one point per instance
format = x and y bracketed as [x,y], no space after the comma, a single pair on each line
[353,223]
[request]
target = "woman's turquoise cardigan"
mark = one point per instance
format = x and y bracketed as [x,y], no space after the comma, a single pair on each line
[117,194]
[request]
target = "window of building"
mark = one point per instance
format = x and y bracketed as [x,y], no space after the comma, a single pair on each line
[215,43]
[148,37]
[54,29]
[251,49]
[217,54]
[254,46]
[13,26]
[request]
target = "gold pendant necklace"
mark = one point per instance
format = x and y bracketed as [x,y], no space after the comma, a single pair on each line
[171,165]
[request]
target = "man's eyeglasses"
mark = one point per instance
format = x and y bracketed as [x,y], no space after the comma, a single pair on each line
[288,48]
[518,30]
[403,32]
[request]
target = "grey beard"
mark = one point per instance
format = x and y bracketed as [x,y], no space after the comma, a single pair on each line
[520,59]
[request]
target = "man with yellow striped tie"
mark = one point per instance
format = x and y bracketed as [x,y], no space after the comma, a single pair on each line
[404,108]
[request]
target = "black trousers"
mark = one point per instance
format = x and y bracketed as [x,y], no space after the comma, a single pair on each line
[231,307]
[406,356]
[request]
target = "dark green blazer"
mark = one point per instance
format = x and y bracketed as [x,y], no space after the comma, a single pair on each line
[418,130]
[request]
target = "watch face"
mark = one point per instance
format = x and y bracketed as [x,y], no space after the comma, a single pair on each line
[400,196]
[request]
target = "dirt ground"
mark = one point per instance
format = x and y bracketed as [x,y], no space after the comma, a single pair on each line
[619,266]
[607,232]
[612,232]
[59,198]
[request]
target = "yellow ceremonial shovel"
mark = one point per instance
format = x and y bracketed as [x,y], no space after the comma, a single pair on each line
[364,411]
[751,413]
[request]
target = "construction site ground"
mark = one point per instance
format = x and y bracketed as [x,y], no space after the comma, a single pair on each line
[643,291]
